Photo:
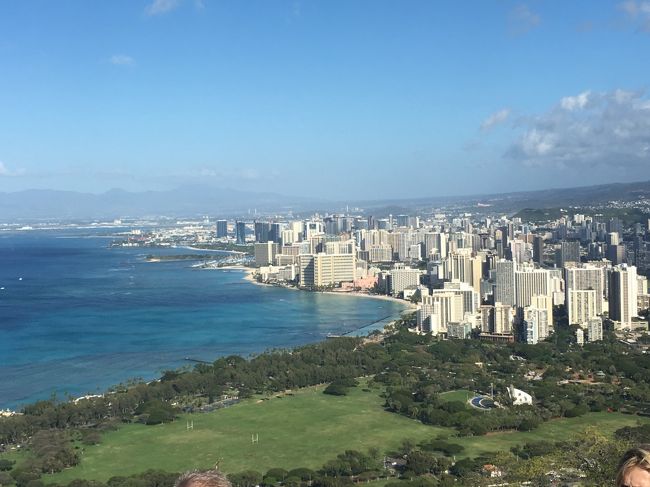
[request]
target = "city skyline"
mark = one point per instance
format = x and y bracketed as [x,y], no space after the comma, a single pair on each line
[323,99]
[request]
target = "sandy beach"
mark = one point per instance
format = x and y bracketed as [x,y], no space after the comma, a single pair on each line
[250,276]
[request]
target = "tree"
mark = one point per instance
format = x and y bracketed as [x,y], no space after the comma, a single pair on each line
[247,478]
[6,479]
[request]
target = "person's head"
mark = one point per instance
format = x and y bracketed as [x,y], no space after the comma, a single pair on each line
[634,468]
[210,478]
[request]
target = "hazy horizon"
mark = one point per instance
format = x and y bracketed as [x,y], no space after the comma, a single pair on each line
[324,199]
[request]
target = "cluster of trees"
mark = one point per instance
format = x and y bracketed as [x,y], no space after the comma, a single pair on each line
[340,387]
[430,409]
[155,411]
[589,459]
[331,360]
[150,478]
[569,380]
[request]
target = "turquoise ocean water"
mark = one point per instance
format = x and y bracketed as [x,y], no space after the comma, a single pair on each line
[77,317]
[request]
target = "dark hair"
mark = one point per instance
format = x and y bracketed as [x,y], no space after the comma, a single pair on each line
[210,478]
[634,457]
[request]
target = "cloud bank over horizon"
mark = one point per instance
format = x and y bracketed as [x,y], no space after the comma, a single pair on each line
[588,130]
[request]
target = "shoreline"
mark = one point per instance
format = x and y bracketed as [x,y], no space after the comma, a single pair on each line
[250,273]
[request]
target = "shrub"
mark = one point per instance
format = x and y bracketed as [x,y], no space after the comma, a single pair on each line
[335,389]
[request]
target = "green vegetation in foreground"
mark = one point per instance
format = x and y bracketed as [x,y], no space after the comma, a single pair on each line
[301,430]
[553,430]
[320,427]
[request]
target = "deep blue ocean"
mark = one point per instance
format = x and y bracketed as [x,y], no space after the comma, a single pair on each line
[77,316]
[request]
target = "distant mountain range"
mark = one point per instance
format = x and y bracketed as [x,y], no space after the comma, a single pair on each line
[181,202]
[194,201]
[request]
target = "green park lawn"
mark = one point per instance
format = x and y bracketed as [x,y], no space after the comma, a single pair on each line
[301,430]
[461,395]
[305,429]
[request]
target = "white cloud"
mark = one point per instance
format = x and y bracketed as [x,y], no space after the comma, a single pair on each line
[634,8]
[6,172]
[522,19]
[609,129]
[638,12]
[495,119]
[577,102]
[122,60]
[158,7]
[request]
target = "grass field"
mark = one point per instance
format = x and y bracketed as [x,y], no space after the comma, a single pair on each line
[461,395]
[305,429]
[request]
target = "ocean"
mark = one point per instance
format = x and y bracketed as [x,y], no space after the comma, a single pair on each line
[77,317]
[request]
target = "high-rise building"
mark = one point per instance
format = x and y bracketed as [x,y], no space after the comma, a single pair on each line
[313,228]
[496,319]
[438,310]
[623,295]
[322,270]
[402,220]
[380,253]
[340,247]
[545,324]
[400,277]
[470,298]
[569,251]
[222,228]
[614,225]
[538,249]
[582,278]
[262,230]
[595,329]
[504,291]
[265,253]
[521,251]
[435,243]
[297,227]
[275,233]
[240,232]
[616,253]
[461,266]
[534,323]
[530,282]
[462,330]
[581,305]
[287,237]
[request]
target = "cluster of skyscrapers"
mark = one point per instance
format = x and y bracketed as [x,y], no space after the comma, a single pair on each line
[499,279]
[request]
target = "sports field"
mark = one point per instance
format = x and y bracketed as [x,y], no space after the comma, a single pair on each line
[305,429]
[302,430]
[461,395]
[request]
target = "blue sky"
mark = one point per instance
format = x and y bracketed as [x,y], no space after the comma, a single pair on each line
[341,99]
